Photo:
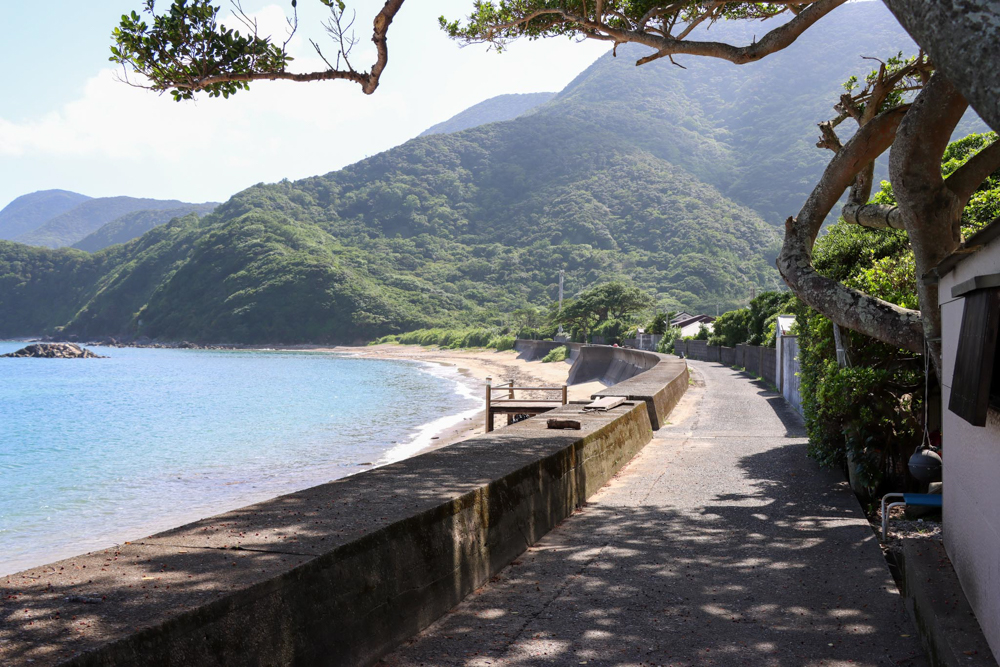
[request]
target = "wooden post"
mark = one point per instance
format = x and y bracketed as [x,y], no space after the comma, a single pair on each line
[510,396]
[489,412]
[564,397]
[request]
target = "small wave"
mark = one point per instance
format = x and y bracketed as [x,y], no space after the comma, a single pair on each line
[465,388]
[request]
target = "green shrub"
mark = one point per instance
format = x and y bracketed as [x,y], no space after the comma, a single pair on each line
[870,410]
[658,325]
[556,354]
[501,343]
[666,344]
[611,330]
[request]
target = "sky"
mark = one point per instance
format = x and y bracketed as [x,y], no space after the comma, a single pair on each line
[67,123]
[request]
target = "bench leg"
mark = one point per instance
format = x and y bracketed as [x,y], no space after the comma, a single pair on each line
[489,420]
[886,507]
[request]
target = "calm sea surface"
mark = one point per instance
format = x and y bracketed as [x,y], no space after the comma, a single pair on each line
[99,451]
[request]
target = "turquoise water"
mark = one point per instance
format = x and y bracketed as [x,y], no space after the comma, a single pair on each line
[98,451]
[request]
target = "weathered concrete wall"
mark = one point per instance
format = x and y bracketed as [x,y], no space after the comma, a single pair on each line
[972,466]
[338,574]
[646,342]
[610,365]
[789,380]
[948,628]
[659,388]
[697,349]
[532,350]
[769,365]
[335,575]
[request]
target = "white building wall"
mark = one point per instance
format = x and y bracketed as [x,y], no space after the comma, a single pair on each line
[788,363]
[694,328]
[971,468]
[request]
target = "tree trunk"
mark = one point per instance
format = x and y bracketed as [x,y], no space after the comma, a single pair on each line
[844,306]
[963,41]
[931,212]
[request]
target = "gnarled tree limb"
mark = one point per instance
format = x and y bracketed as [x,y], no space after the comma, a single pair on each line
[502,21]
[931,211]
[963,40]
[186,50]
[845,306]
[876,216]
[964,180]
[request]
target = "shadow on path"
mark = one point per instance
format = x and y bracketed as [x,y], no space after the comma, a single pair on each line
[715,550]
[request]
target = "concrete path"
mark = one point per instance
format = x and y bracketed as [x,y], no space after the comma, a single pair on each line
[720,544]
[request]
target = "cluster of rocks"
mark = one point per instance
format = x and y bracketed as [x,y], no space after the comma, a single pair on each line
[141,341]
[55,351]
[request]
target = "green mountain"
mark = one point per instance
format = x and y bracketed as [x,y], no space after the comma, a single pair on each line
[135,224]
[656,174]
[82,220]
[29,212]
[493,110]
[749,130]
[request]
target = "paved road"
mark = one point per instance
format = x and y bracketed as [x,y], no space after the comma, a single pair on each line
[720,544]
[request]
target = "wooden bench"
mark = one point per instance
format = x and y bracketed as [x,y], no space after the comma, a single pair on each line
[500,400]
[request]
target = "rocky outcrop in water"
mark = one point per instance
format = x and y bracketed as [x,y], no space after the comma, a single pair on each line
[55,351]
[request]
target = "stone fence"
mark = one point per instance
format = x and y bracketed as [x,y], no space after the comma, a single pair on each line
[778,366]
[341,573]
[646,342]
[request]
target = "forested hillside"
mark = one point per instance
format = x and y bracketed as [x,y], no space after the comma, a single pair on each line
[87,217]
[135,224]
[656,174]
[31,211]
[493,110]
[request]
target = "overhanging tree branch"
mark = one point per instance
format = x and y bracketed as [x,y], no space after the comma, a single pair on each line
[963,40]
[186,50]
[498,23]
[876,216]
[931,212]
[964,180]
[845,306]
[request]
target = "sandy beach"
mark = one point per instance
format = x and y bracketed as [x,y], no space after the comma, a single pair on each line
[478,364]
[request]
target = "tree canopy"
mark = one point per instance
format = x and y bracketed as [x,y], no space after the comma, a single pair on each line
[186,49]
[907,104]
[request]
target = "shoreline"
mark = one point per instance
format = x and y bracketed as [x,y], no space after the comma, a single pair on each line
[474,363]
[471,369]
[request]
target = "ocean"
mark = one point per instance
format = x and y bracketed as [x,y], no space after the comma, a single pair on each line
[95,452]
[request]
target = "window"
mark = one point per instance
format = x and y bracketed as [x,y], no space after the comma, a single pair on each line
[975,385]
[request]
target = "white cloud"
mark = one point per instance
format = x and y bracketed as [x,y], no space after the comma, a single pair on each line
[115,139]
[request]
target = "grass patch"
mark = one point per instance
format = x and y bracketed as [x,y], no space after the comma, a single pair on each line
[556,354]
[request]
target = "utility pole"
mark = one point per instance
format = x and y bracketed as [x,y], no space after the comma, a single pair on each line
[753,292]
[562,274]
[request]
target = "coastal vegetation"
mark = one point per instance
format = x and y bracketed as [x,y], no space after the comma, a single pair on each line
[88,216]
[864,408]
[493,110]
[135,224]
[556,354]
[659,176]
[906,104]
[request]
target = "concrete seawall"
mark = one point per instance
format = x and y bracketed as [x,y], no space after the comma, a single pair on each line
[533,350]
[341,573]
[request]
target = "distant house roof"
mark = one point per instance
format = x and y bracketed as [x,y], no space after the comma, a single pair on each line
[680,317]
[691,320]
